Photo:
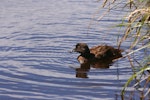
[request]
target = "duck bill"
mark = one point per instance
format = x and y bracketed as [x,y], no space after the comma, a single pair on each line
[74,50]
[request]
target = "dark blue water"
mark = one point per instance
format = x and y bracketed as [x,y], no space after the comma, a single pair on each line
[35,43]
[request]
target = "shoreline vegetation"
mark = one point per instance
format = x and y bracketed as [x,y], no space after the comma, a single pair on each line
[137,28]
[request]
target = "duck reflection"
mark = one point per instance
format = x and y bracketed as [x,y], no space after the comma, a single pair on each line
[101,56]
[82,72]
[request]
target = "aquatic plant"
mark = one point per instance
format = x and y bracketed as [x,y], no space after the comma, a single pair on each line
[137,29]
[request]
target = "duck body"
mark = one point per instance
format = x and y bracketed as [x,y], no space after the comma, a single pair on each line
[99,56]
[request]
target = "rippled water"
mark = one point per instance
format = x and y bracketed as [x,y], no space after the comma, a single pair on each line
[36,37]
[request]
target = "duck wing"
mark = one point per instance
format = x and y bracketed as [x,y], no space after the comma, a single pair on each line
[105,52]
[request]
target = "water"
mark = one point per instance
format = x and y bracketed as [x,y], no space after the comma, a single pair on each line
[36,37]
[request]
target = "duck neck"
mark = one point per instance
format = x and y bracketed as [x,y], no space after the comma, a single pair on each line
[86,55]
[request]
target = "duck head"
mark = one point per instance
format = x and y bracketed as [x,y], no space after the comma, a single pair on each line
[82,48]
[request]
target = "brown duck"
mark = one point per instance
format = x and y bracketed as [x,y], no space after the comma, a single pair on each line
[99,56]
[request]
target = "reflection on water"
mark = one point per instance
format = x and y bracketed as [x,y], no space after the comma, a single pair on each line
[83,70]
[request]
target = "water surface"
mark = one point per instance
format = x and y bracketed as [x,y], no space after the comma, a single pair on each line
[36,37]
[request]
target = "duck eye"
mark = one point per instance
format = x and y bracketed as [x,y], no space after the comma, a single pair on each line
[77,46]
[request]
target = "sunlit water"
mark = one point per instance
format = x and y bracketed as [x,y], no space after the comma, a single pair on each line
[35,43]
